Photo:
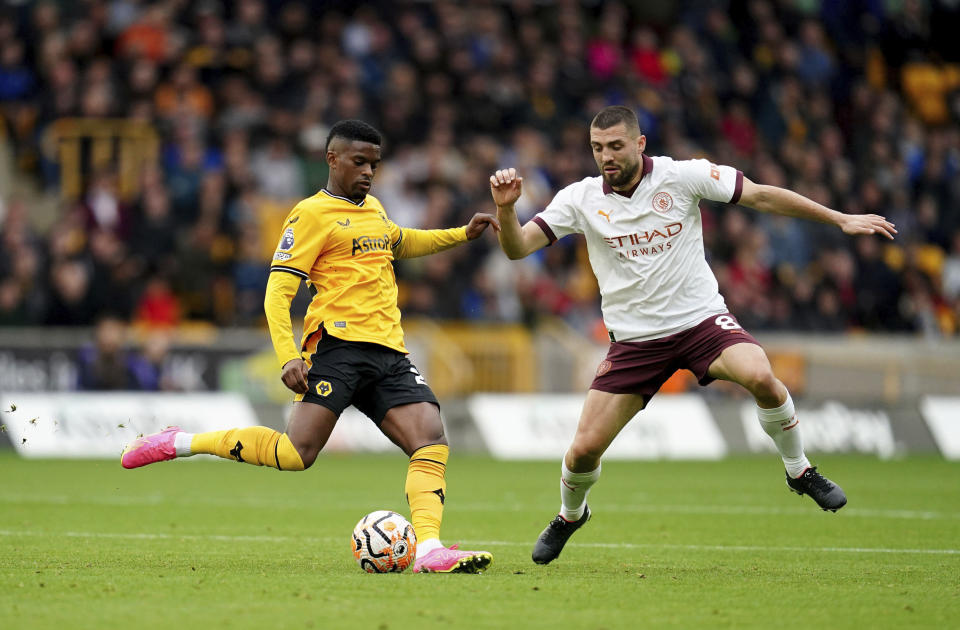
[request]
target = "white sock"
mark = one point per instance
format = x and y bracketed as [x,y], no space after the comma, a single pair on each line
[181,442]
[574,488]
[782,425]
[427,545]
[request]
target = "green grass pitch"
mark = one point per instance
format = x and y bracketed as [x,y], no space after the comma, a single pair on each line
[213,544]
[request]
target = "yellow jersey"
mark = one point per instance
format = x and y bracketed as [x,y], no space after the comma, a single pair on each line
[344,250]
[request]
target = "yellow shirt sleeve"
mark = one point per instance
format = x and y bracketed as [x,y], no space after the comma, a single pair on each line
[301,241]
[281,288]
[415,243]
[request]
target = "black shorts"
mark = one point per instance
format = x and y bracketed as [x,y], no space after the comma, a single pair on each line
[371,377]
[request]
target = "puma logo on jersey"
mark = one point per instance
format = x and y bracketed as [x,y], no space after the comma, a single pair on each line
[344,223]
[605,214]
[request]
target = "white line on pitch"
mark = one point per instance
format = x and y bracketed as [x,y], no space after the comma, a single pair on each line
[500,543]
[466,506]
[733,547]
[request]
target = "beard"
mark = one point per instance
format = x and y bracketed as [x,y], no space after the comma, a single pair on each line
[358,194]
[624,177]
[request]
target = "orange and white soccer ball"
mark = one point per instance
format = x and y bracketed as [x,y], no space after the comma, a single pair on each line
[384,542]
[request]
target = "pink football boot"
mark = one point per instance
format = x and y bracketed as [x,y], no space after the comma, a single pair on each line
[150,449]
[452,560]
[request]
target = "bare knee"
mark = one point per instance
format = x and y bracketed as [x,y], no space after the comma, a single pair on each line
[765,387]
[603,417]
[417,443]
[427,436]
[309,429]
[308,458]
[583,455]
[413,426]
[307,452]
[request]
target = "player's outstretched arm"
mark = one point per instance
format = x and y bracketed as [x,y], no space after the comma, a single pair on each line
[414,243]
[517,242]
[791,204]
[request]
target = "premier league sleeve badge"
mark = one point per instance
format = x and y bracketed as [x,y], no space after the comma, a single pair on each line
[286,242]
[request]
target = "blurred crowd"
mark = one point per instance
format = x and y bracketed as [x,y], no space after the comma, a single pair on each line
[853,104]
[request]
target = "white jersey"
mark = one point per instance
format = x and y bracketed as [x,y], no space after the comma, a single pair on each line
[646,249]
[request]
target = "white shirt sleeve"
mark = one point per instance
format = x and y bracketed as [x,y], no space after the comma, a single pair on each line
[561,216]
[710,181]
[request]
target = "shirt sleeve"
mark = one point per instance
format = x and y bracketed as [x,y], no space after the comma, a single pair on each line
[415,243]
[560,217]
[281,288]
[300,244]
[394,231]
[710,181]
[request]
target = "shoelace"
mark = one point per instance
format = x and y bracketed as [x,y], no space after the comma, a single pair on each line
[817,480]
[560,523]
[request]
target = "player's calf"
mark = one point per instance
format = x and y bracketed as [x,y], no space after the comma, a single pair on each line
[260,446]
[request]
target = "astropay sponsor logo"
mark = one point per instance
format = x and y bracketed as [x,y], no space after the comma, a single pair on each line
[366,244]
[833,428]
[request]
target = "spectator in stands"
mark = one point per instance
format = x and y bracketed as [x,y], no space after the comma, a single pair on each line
[157,307]
[71,301]
[17,79]
[277,171]
[151,367]
[852,104]
[102,208]
[106,364]
[154,233]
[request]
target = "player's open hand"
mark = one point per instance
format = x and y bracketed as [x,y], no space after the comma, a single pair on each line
[479,223]
[505,186]
[867,224]
[294,375]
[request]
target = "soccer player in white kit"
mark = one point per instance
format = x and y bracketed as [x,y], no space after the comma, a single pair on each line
[660,300]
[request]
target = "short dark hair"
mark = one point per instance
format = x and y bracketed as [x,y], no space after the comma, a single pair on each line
[614,115]
[354,130]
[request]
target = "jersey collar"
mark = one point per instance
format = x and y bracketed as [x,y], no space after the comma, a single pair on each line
[330,194]
[647,167]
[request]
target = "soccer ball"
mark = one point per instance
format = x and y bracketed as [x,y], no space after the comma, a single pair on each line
[384,542]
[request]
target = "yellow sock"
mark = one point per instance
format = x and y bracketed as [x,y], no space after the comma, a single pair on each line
[425,489]
[254,445]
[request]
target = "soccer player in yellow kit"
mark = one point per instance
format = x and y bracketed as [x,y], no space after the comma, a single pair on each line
[341,242]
